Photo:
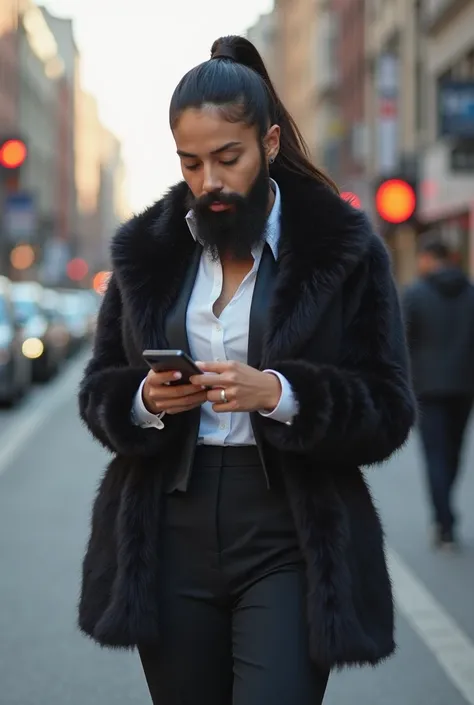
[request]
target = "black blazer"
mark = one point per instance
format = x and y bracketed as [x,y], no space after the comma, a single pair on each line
[333,329]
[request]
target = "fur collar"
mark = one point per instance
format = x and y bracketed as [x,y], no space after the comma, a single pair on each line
[323,239]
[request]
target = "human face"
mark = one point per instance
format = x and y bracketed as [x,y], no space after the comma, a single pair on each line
[427,264]
[218,156]
[228,180]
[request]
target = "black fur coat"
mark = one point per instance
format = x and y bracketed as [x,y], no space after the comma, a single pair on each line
[335,332]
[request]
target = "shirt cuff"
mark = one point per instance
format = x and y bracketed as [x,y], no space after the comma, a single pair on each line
[140,414]
[287,407]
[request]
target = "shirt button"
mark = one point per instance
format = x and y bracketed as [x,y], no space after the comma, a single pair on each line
[223,426]
[218,328]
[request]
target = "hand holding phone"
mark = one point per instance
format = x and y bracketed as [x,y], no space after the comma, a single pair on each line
[167,388]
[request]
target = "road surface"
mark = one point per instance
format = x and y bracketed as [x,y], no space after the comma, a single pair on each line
[49,469]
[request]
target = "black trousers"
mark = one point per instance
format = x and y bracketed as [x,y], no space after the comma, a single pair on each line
[443,422]
[232,598]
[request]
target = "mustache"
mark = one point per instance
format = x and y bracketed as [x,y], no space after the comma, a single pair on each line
[227,199]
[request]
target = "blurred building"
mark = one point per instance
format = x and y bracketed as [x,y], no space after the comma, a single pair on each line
[346,50]
[385,89]
[330,127]
[447,164]
[263,34]
[88,151]
[296,28]
[113,207]
[66,226]
[100,183]
[40,68]
[8,65]
[69,194]
[395,107]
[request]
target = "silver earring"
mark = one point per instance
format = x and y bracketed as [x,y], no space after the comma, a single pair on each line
[271,160]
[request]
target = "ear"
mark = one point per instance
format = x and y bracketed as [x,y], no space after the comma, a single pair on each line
[271,142]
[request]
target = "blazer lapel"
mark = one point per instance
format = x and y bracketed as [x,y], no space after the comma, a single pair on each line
[175,324]
[262,296]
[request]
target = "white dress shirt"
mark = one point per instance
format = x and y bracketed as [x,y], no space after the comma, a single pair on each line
[224,338]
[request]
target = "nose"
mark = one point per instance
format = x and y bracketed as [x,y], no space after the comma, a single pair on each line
[211,182]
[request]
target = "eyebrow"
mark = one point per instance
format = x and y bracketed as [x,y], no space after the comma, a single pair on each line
[224,148]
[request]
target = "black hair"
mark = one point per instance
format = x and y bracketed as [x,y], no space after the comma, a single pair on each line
[236,80]
[436,247]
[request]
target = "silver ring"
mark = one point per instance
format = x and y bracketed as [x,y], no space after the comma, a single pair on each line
[224,399]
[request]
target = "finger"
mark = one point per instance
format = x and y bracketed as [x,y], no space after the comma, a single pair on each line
[217,367]
[192,403]
[215,396]
[189,401]
[221,408]
[175,392]
[159,378]
[210,380]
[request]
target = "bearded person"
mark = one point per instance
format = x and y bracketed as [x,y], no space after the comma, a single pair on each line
[234,542]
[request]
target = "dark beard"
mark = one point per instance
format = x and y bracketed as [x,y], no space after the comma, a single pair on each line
[233,233]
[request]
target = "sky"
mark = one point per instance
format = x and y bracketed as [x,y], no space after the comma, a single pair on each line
[134,52]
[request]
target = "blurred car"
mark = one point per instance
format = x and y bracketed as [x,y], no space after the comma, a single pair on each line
[76,317]
[41,342]
[52,307]
[15,368]
[91,302]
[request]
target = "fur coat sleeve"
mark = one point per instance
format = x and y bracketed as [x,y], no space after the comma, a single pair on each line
[109,386]
[362,408]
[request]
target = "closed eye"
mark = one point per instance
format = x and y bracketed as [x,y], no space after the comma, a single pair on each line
[231,162]
[191,167]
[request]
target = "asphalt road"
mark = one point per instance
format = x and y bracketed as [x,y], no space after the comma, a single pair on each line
[49,469]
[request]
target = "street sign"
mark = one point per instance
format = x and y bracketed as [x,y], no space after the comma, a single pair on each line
[20,217]
[456,108]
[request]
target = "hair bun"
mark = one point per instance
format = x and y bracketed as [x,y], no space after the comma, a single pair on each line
[222,49]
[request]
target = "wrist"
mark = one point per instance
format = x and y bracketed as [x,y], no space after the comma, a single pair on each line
[273,392]
[146,402]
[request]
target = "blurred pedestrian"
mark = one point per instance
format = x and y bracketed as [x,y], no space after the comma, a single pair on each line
[234,540]
[439,310]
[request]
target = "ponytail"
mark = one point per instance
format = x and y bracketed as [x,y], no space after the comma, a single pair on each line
[237,80]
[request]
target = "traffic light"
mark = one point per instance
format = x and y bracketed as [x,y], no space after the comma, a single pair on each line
[395,201]
[13,154]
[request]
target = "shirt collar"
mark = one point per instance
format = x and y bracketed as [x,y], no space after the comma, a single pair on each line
[272,228]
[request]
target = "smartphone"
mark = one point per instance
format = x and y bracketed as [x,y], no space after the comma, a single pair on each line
[172,361]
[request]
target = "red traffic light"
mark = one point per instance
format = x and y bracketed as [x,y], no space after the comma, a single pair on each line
[13,154]
[395,201]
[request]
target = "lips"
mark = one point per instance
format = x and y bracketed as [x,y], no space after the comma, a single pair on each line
[218,207]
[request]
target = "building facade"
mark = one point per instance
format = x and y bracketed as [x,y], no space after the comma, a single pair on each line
[8,66]
[447,164]
[263,34]
[40,69]
[349,59]
[88,150]
[296,28]
[395,109]
[113,207]
[62,31]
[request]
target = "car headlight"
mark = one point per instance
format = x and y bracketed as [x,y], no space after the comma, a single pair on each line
[32,348]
